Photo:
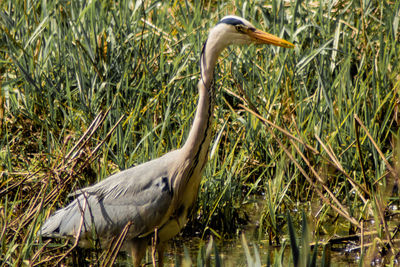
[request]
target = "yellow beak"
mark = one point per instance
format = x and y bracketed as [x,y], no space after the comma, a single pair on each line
[261,37]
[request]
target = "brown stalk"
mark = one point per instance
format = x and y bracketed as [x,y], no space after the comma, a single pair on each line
[45,262]
[33,209]
[380,208]
[91,129]
[98,120]
[56,191]
[341,169]
[37,253]
[116,246]
[255,113]
[362,237]
[154,246]
[368,245]
[90,158]
[11,187]
[378,199]
[78,234]
[391,169]
[94,125]
[340,210]
[322,183]
[360,155]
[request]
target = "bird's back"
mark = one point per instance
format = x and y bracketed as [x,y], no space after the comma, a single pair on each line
[141,195]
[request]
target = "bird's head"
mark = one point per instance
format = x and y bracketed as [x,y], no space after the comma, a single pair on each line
[232,30]
[236,30]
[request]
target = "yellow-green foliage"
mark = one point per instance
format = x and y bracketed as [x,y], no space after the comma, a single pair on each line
[89,88]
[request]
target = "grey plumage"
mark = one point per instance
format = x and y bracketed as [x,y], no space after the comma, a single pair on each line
[138,195]
[156,196]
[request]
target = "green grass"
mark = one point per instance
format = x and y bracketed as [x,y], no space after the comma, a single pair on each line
[91,88]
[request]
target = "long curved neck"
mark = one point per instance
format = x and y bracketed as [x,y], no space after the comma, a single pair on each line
[198,141]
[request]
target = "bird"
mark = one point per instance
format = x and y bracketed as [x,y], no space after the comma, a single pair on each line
[157,196]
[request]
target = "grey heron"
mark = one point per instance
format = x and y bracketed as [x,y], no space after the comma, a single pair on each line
[156,196]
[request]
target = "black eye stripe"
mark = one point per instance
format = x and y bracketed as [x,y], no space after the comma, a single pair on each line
[231,21]
[241,28]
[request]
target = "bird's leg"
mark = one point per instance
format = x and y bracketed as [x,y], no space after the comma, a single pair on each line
[160,251]
[138,250]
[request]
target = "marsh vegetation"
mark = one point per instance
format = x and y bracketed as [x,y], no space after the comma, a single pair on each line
[306,145]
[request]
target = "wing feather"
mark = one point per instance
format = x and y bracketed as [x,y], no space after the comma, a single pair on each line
[141,194]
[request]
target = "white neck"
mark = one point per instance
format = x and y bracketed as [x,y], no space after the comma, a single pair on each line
[198,141]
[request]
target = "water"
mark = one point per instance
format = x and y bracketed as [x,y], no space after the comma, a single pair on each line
[344,248]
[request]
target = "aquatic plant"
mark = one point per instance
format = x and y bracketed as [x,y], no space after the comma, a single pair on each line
[89,88]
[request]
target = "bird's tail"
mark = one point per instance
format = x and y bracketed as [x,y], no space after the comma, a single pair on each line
[64,222]
[51,227]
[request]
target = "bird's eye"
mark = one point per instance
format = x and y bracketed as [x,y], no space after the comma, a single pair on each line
[240,28]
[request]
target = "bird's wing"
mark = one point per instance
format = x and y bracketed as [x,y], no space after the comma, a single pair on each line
[141,195]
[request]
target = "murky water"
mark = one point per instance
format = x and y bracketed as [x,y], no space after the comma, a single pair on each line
[232,253]
[346,252]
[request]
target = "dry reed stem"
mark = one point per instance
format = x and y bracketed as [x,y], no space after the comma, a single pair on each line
[320,179]
[69,167]
[81,143]
[11,187]
[256,113]
[339,166]
[154,247]
[79,232]
[378,199]
[360,155]
[362,237]
[391,169]
[91,157]
[340,210]
[38,252]
[115,247]
[367,245]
